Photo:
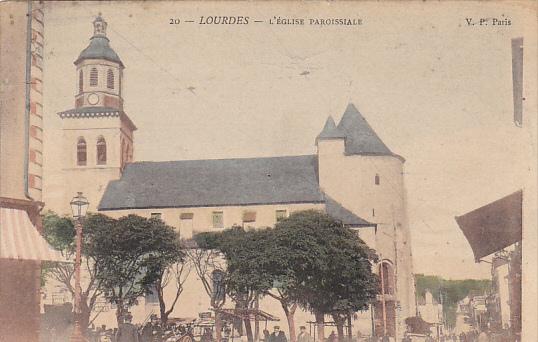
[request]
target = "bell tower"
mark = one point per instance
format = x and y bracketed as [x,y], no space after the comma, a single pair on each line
[99,72]
[97,133]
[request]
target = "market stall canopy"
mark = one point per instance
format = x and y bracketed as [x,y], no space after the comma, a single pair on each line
[494,226]
[250,314]
[20,240]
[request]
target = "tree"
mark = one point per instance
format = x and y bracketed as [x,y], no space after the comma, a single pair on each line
[244,278]
[60,234]
[309,259]
[177,273]
[332,266]
[167,266]
[209,265]
[132,254]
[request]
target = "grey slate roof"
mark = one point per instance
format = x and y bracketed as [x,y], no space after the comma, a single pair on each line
[360,137]
[330,131]
[99,48]
[336,210]
[217,182]
[222,182]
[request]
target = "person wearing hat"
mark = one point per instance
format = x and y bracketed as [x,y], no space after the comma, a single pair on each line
[277,335]
[127,332]
[303,335]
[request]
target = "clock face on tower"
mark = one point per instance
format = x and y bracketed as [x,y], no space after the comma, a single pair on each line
[93,99]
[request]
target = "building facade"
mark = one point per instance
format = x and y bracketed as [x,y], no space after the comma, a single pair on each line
[22,249]
[353,176]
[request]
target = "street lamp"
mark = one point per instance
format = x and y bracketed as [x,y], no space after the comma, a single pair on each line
[79,206]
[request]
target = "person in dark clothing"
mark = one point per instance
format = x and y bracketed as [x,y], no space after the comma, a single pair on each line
[332,337]
[127,332]
[151,332]
[266,335]
[277,335]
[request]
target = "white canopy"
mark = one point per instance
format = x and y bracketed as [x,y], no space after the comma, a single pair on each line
[20,240]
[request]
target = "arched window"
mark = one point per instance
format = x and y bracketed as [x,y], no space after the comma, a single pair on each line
[386,274]
[81,152]
[80,81]
[101,151]
[376,180]
[110,79]
[93,77]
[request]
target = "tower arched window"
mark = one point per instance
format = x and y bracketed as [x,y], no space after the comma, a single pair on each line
[376,179]
[80,81]
[81,152]
[94,77]
[101,151]
[110,79]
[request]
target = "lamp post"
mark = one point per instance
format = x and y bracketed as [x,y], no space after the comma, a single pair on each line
[79,206]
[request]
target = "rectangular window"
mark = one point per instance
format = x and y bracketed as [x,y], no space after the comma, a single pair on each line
[156,215]
[249,216]
[218,219]
[185,224]
[281,214]
[186,216]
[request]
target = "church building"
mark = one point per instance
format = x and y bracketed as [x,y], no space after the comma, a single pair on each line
[354,177]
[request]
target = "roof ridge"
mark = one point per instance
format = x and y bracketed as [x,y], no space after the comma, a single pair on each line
[219,159]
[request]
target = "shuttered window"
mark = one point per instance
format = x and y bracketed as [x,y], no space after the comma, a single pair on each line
[94,77]
[80,81]
[81,152]
[110,79]
[101,151]
[218,219]
[281,214]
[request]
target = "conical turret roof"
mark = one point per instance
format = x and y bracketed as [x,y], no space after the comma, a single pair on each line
[330,131]
[360,137]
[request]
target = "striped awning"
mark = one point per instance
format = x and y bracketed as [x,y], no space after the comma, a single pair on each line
[20,240]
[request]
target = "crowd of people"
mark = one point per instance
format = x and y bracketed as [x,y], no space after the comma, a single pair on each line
[129,332]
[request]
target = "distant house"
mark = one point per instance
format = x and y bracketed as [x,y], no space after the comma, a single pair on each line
[431,311]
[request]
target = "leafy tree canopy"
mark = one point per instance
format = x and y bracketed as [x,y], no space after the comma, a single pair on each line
[131,253]
[310,257]
[333,266]
[125,257]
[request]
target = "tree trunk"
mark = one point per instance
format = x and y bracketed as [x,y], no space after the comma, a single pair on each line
[119,311]
[290,316]
[256,321]
[84,317]
[339,321]
[320,320]
[162,305]
[218,327]
[248,330]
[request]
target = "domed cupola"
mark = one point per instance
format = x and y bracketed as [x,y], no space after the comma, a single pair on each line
[99,71]
[99,47]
